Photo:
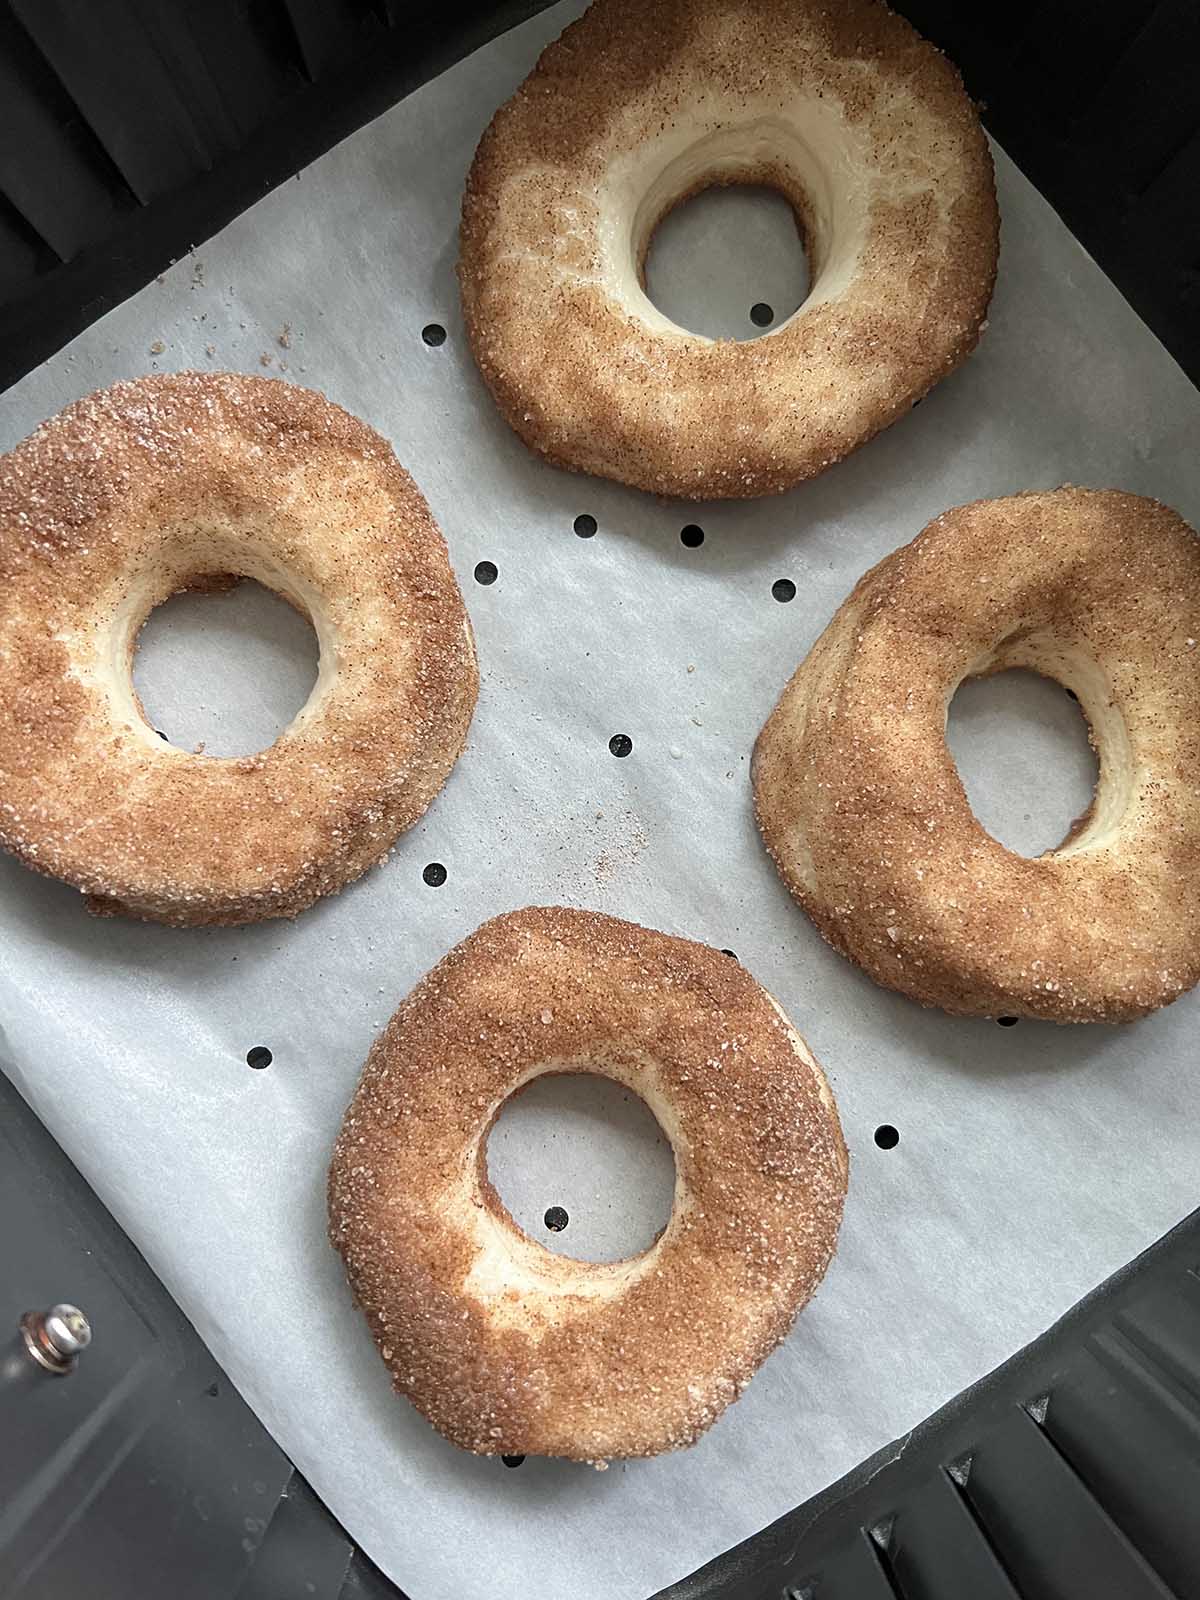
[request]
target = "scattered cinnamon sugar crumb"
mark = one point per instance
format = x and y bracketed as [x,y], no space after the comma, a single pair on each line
[623,849]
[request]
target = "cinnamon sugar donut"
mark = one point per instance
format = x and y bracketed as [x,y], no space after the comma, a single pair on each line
[505,1347]
[844,109]
[862,808]
[168,483]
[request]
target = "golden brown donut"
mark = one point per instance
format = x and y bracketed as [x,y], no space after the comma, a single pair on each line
[505,1347]
[863,810]
[844,109]
[168,483]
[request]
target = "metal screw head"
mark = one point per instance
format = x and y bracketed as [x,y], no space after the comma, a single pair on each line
[54,1338]
[67,1330]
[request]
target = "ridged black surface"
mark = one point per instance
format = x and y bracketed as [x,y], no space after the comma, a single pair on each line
[132,129]
[1071,1473]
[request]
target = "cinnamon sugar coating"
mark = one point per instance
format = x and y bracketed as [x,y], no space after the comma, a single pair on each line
[863,810]
[863,126]
[177,481]
[505,1347]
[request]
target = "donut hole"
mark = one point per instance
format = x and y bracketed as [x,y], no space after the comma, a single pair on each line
[728,262]
[226,668]
[1021,747]
[583,1166]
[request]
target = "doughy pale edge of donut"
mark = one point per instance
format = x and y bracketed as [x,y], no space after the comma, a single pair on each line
[507,1253]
